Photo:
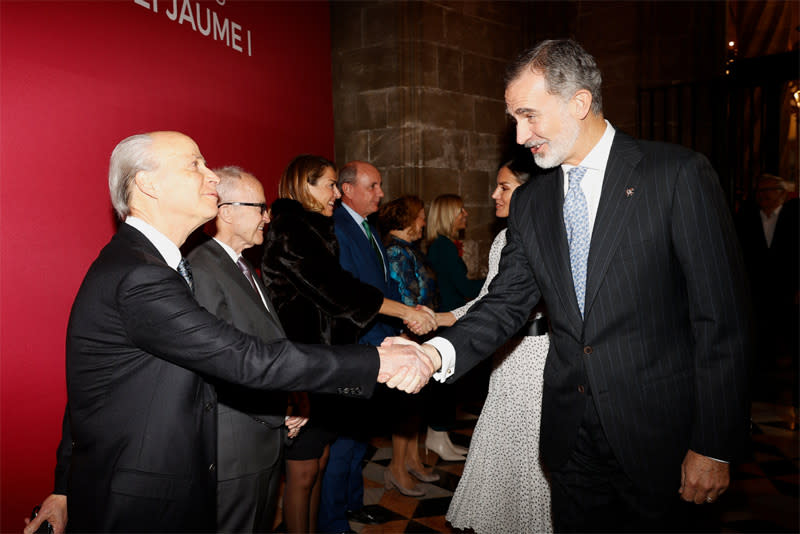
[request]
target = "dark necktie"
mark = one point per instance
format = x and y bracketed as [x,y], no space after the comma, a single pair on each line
[247,274]
[372,242]
[186,272]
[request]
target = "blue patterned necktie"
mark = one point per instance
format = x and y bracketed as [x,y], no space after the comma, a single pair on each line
[576,221]
[186,272]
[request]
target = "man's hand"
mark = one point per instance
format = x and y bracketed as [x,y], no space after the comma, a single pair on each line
[703,479]
[403,365]
[54,510]
[420,320]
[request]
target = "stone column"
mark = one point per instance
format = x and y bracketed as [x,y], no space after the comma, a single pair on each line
[418,92]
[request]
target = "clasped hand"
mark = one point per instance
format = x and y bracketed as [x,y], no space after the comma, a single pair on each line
[421,320]
[404,365]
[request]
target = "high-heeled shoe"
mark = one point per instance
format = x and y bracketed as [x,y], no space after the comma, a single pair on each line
[438,442]
[433,477]
[390,482]
[458,449]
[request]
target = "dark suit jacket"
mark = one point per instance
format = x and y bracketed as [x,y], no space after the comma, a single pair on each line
[142,435]
[357,256]
[773,270]
[248,421]
[664,341]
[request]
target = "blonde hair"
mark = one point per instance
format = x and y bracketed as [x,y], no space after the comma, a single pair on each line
[304,171]
[442,216]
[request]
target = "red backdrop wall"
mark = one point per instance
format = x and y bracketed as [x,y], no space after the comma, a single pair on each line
[76,78]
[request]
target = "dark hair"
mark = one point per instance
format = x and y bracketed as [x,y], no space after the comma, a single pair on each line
[398,214]
[566,68]
[520,173]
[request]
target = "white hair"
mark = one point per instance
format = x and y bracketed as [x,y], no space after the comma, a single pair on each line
[130,156]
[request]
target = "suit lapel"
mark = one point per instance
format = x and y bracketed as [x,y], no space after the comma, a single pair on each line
[357,235]
[232,271]
[548,220]
[622,188]
[139,240]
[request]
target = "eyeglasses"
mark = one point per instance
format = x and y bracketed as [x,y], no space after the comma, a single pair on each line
[260,205]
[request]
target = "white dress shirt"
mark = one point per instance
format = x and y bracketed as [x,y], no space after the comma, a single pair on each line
[768,223]
[168,250]
[592,186]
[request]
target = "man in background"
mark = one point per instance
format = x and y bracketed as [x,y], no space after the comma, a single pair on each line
[362,254]
[250,423]
[769,231]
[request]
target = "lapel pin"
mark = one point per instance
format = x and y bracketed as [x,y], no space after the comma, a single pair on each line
[629,192]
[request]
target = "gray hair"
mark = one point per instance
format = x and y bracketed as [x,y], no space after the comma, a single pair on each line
[130,156]
[229,178]
[348,174]
[566,67]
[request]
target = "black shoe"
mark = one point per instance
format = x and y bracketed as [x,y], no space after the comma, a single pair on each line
[370,515]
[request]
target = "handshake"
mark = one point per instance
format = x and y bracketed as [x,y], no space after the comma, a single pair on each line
[420,319]
[405,365]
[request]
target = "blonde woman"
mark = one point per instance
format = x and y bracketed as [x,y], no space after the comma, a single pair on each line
[446,219]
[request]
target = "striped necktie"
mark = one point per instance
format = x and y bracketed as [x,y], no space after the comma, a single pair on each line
[186,272]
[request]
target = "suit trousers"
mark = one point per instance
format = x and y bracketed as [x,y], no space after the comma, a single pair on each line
[237,511]
[591,492]
[342,484]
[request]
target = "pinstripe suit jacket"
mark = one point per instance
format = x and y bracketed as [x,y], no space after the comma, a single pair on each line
[664,340]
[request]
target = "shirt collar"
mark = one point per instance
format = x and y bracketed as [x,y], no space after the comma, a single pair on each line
[356,217]
[168,250]
[232,253]
[771,215]
[597,158]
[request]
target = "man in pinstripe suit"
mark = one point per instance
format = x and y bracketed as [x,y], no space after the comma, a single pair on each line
[645,385]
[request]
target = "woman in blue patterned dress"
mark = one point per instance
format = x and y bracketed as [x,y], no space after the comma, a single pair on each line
[401,222]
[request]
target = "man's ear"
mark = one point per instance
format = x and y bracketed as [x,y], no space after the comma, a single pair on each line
[224,213]
[146,183]
[347,189]
[581,104]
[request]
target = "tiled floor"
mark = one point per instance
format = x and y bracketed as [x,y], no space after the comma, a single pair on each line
[763,496]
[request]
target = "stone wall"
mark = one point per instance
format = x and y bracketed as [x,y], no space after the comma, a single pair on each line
[418,92]
[418,86]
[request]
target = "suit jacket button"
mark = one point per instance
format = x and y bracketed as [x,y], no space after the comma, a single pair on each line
[587,349]
[212,468]
[209,406]
[581,389]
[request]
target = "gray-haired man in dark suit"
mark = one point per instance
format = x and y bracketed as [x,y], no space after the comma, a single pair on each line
[632,246]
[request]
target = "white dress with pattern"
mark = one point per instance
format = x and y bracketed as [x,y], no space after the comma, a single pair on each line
[503,488]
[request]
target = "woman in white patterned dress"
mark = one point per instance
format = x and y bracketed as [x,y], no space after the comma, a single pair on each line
[503,488]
